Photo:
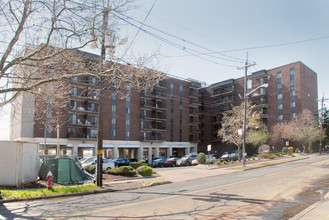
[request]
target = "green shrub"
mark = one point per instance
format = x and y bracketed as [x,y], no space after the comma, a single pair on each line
[253,158]
[145,171]
[232,161]
[90,169]
[284,150]
[265,156]
[297,150]
[272,156]
[122,171]
[135,165]
[217,162]
[225,162]
[290,150]
[201,158]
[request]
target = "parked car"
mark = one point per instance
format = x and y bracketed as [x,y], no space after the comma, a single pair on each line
[186,160]
[158,162]
[229,157]
[170,162]
[121,162]
[107,164]
[87,160]
[210,159]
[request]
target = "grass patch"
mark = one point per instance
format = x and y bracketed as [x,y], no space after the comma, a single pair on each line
[26,194]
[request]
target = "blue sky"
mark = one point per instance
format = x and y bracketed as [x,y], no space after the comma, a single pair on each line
[228,28]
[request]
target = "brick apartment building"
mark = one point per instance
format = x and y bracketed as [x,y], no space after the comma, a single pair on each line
[176,118]
[163,122]
[291,88]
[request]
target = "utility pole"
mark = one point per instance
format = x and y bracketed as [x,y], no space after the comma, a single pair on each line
[245,67]
[99,175]
[321,123]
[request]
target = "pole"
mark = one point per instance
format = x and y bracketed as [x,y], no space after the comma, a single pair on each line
[245,97]
[321,125]
[245,113]
[99,178]
[58,150]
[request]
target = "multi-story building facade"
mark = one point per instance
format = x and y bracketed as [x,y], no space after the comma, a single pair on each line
[291,89]
[140,124]
[176,118]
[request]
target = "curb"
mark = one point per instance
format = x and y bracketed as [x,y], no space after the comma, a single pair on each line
[267,165]
[105,190]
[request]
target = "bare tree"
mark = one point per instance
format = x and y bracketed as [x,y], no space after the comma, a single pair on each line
[232,122]
[40,42]
[304,129]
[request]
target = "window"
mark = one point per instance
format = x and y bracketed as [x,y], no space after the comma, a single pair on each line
[73,104]
[73,118]
[292,74]
[280,106]
[143,124]
[143,113]
[280,96]
[74,91]
[94,107]
[94,120]
[262,80]
[262,91]
[279,75]
[93,133]
[249,84]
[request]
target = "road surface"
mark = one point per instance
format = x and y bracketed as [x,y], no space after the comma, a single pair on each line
[263,193]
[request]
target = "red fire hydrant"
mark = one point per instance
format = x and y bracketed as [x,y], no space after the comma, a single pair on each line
[49,180]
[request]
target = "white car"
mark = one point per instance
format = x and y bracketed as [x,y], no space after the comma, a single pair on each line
[210,159]
[107,164]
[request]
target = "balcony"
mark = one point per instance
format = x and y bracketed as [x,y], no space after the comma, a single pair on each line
[222,91]
[194,121]
[81,133]
[155,117]
[154,94]
[161,85]
[194,102]
[223,101]
[81,109]
[153,106]
[194,138]
[82,123]
[194,112]
[85,80]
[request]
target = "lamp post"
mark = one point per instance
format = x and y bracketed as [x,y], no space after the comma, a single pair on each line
[245,116]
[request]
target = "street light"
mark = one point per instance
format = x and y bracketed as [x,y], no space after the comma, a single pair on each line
[245,117]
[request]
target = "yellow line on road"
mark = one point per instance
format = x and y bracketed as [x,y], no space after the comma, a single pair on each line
[147,201]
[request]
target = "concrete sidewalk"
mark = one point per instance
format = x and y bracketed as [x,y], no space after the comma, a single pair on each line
[318,211]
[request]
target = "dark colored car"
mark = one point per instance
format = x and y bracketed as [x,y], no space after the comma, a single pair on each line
[121,162]
[170,162]
[229,157]
[158,162]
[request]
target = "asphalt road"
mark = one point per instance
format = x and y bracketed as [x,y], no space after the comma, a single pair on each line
[264,193]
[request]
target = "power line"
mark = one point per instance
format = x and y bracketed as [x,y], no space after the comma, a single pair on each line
[232,59]
[148,13]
